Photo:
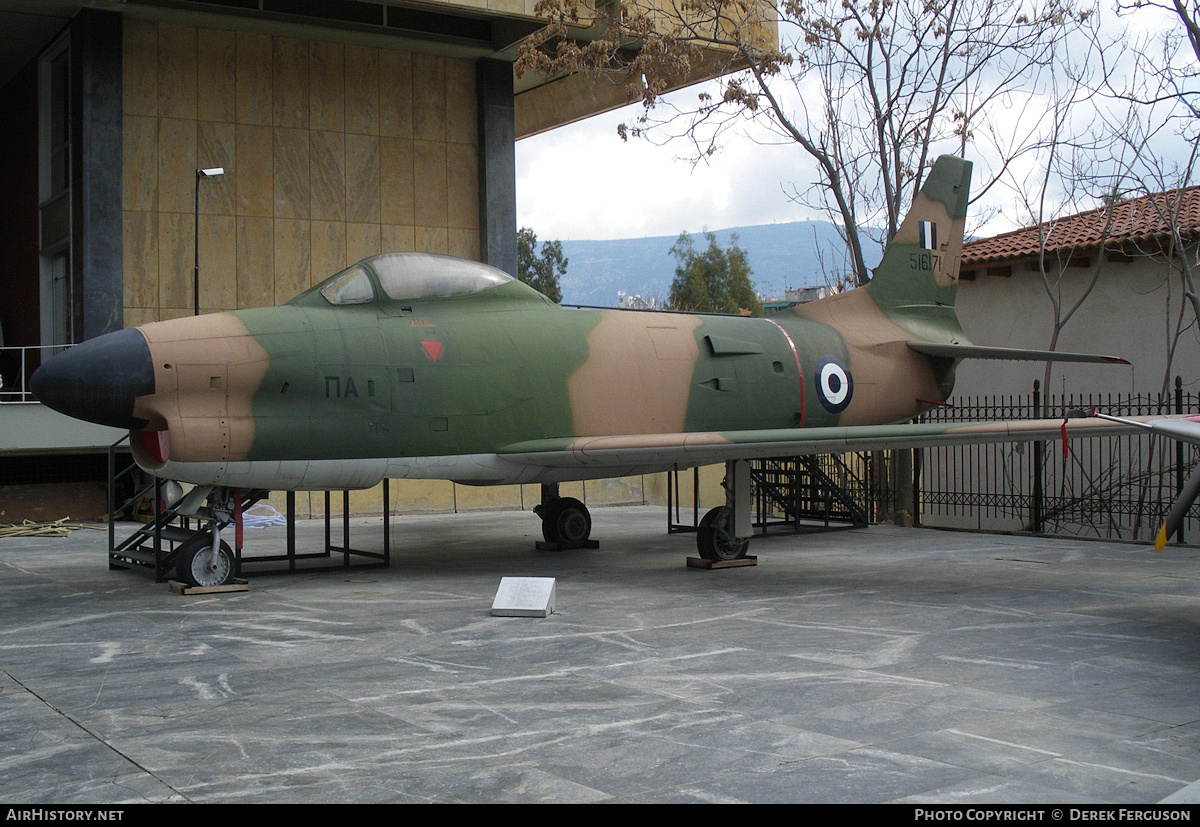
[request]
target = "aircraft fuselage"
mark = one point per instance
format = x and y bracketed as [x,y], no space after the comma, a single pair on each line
[313,395]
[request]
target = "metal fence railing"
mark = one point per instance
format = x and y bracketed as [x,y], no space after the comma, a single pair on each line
[1117,487]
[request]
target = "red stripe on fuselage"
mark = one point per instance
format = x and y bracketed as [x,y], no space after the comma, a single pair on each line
[799,370]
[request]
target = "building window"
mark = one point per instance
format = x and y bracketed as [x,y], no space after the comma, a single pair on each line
[54,193]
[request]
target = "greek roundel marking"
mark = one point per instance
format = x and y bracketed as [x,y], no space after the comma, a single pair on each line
[835,385]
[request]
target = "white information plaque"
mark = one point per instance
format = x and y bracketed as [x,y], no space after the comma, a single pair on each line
[524,597]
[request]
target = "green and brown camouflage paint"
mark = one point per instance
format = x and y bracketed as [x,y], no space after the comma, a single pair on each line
[484,373]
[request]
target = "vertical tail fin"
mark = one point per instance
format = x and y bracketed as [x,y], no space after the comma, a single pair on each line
[919,271]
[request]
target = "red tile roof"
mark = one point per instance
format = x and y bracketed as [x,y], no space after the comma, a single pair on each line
[1137,225]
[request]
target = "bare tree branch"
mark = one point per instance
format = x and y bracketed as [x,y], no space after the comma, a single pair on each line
[871,90]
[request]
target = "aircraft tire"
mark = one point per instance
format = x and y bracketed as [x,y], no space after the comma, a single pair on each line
[192,563]
[715,540]
[566,522]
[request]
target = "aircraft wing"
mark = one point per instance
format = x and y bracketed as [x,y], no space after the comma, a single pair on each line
[711,447]
[1185,429]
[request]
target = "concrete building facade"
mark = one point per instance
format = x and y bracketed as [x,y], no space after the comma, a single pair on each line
[324,145]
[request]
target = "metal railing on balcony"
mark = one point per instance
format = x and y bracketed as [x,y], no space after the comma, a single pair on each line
[17,364]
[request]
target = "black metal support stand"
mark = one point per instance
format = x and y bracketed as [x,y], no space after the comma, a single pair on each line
[152,546]
[673,526]
[1179,475]
[1036,509]
[808,493]
[344,549]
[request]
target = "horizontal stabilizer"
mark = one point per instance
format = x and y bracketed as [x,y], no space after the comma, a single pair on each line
[1010,353]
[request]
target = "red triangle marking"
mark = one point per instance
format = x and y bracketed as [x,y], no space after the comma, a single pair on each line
[433,349]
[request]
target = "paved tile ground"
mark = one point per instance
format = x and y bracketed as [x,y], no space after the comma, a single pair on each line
[876,665]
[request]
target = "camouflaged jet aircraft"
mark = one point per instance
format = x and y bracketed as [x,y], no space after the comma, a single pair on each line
[419,366]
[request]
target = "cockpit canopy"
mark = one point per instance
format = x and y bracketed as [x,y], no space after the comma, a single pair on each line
[410,276]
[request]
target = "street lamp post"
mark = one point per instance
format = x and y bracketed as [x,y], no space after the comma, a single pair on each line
[211,172]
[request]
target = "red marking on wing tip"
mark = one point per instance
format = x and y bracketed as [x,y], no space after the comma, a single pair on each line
[432,348]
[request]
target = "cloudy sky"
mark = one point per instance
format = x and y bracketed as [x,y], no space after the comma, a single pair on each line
[583,182]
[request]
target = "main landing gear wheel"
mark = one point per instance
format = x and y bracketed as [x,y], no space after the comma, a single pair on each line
[715,540]
[566,522]
[196,565]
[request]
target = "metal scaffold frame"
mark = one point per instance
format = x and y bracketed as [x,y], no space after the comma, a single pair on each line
[152,545]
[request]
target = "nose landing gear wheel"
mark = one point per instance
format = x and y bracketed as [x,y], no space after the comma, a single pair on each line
[196,564]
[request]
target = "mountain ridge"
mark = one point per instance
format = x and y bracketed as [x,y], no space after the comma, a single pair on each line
[785,255]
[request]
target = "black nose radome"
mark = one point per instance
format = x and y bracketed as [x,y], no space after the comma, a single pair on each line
[98,380]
